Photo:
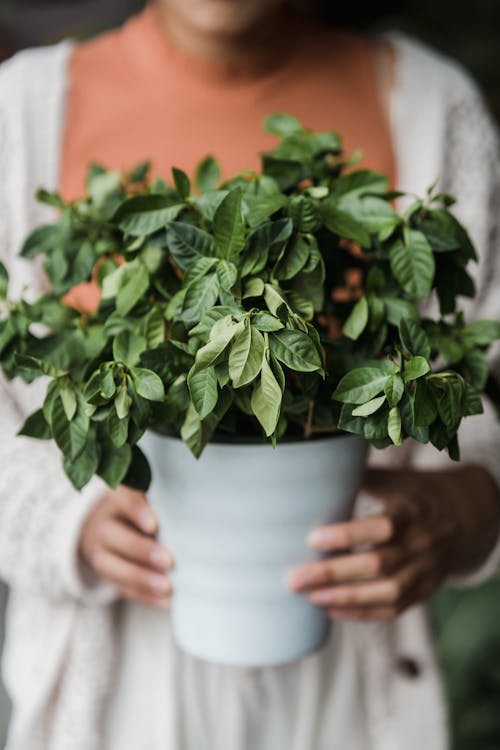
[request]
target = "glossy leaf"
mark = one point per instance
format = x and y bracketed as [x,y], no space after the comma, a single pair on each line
[361,385]
[412,263]
[203,389]
[266,399]
[357,320]
[228,226]
[246,356]
[296,350]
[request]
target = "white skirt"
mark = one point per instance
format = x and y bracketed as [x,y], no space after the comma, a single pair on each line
[164,699]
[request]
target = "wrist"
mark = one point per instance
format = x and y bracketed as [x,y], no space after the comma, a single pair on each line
[475,497]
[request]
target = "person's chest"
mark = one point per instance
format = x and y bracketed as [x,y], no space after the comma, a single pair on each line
[119,113]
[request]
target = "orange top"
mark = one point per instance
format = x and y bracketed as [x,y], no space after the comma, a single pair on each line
[133,96]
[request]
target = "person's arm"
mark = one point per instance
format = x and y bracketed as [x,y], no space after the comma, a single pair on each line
[41,515]
[437,521]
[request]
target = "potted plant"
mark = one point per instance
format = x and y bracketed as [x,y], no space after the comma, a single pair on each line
[280,307]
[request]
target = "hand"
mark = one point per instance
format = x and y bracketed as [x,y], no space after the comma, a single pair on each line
[434,524]
[118,543]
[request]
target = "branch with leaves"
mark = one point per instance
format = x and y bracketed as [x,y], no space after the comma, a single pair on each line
[230,309]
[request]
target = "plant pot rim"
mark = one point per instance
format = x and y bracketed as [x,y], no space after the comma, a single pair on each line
[237,440]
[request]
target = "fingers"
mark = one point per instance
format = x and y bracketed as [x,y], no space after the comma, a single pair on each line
[125,542]
[352,567]
[378,600]
[341,536]
[132,580]
[134,507]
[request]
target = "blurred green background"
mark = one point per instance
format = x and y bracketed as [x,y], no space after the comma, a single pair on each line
[466,622]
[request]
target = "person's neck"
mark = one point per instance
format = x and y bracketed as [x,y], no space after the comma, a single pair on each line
[216,48]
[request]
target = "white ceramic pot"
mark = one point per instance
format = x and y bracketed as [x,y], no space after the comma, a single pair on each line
[236,521]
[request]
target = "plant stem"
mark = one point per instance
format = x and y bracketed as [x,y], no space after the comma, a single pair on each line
[308,427]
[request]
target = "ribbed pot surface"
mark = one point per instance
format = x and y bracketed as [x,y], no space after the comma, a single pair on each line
[236,521]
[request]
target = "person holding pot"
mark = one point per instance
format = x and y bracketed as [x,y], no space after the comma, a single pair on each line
[86,667]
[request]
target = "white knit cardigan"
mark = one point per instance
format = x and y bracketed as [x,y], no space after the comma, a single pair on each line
[60,645]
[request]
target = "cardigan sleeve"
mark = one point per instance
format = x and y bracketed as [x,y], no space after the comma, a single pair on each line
[41,514]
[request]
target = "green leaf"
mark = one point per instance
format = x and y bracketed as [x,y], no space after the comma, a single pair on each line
[360,182]
[412,263]
[398,309]
[107,385]
[266,399]
[4,281]
[472,401]
[227,273]
[203,328]
[265,321]
[296,350]
[414,338]
[207,175]
[342,224]
[50,198]
[146,214]
[123,402]
[196,433]
[148,384]
[221,334]
[475,368]
[181,182]
[114,463]
[82,468]
[228,226]
[357,320]
[449,401]
[245,358]
[155,329]
[128,347]
[134,289]
[118,428]
[293,260]
[254,287]
[424,405]
[369,407]
[361,385]
[203,389]
[68,398]
[274,300]
[261,207]
[300,305]
[36,426]
[69,436]
[282,124]
[415,368]
[481,333]
[26,362]
[394,390]
[394,426]
[201,295]
[188,243]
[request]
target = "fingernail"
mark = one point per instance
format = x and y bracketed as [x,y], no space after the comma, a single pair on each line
[160,558]
[322,597]
[160,584]
[319,538]
[300,578]
[148,521]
